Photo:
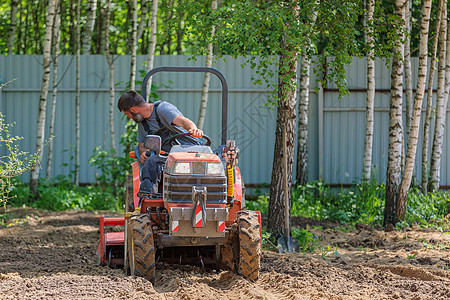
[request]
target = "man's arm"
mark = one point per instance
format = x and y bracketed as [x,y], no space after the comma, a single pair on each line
[142,153]
[188,125]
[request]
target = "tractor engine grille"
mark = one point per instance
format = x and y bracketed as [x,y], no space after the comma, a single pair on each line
[178,188]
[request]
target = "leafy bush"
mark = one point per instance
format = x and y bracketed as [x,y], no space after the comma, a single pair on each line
[61,194]
[14,162]
[362,203]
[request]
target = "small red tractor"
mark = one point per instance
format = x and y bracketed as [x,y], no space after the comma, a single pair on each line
[198,217]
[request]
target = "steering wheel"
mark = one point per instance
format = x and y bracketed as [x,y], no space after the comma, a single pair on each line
[171,141]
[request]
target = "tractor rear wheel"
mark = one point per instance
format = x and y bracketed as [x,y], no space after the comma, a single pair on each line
[249,244]
[143,249]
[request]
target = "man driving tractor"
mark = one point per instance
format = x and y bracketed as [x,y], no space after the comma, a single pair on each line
[159,118]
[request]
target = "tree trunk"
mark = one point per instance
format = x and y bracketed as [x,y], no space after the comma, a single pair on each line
[303,103]
[207,75]
[90,22]
[56,40]
[180,27]
[152,45]
[428,115]
[415,122]
[393,176]
[408,80]
[133,44]
[76,178]
[441,106]
[368,144]
[101,25]
[111,78]
[286,119]
[143,20]
[12,26]
[40,134]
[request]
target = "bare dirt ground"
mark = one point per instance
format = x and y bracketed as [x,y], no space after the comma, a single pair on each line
[51,255]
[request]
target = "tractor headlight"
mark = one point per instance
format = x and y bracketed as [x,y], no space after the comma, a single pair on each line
[215,168]
[183,168]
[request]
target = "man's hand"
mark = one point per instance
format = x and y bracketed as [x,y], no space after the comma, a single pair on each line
[188,125]
[198,133]
[143,157]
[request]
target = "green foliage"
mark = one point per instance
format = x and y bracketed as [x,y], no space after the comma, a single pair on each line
[61,194]
[14,162]
[307,240]
[362,203]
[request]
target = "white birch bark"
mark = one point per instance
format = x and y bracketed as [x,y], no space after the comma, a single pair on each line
[440,107]
[408,80]
[12,26]
[428,116]
[111,79]
[368,143]
[56,40]
[394,168]
[415,122]
[143,20]
[207,75]
[40,134]
[90,22]
[76,178]
[303,104]
[133,44]
[152,45]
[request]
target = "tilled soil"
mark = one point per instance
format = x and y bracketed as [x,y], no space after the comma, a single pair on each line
[51,255]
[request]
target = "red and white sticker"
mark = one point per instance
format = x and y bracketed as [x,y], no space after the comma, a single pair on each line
[175,226]
[221,226]
[198,216]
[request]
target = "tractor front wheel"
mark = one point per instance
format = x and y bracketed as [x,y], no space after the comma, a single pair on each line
[142,247]
[249,244]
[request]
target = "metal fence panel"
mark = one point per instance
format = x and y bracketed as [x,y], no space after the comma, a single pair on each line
[250,122]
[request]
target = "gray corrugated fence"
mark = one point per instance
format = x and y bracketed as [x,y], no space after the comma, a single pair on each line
[336,126]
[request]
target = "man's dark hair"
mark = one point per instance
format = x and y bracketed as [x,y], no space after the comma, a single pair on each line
[130,99]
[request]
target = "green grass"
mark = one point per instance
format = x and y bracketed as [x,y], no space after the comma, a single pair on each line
[61,194]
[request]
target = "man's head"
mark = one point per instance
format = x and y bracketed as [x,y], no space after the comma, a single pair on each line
[131,104]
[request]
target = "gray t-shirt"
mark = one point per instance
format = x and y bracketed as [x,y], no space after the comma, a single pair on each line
[166,113]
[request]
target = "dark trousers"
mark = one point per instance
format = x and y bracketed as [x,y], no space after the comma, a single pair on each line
[153,169]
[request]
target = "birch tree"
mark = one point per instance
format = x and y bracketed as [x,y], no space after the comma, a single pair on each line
[12,26]
[76,178]
[303,108]
[394,168]
[40,134]
[111,78]
[207,75]
[413,135]
[441,106]
[152,45]
[90,22]
[133,44]
[370,92]
[56,40]
[408,75]
[429,102]
[143,20]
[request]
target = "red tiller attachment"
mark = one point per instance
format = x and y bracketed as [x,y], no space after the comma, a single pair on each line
[110,250]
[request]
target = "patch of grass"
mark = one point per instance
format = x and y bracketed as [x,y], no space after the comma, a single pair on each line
[61,194]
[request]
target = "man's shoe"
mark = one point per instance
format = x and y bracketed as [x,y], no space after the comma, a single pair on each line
[146,186]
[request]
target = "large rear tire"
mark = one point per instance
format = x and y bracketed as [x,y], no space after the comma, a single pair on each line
[249,244]
[143,249]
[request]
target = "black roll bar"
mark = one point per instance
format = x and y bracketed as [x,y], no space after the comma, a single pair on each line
[195,69]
